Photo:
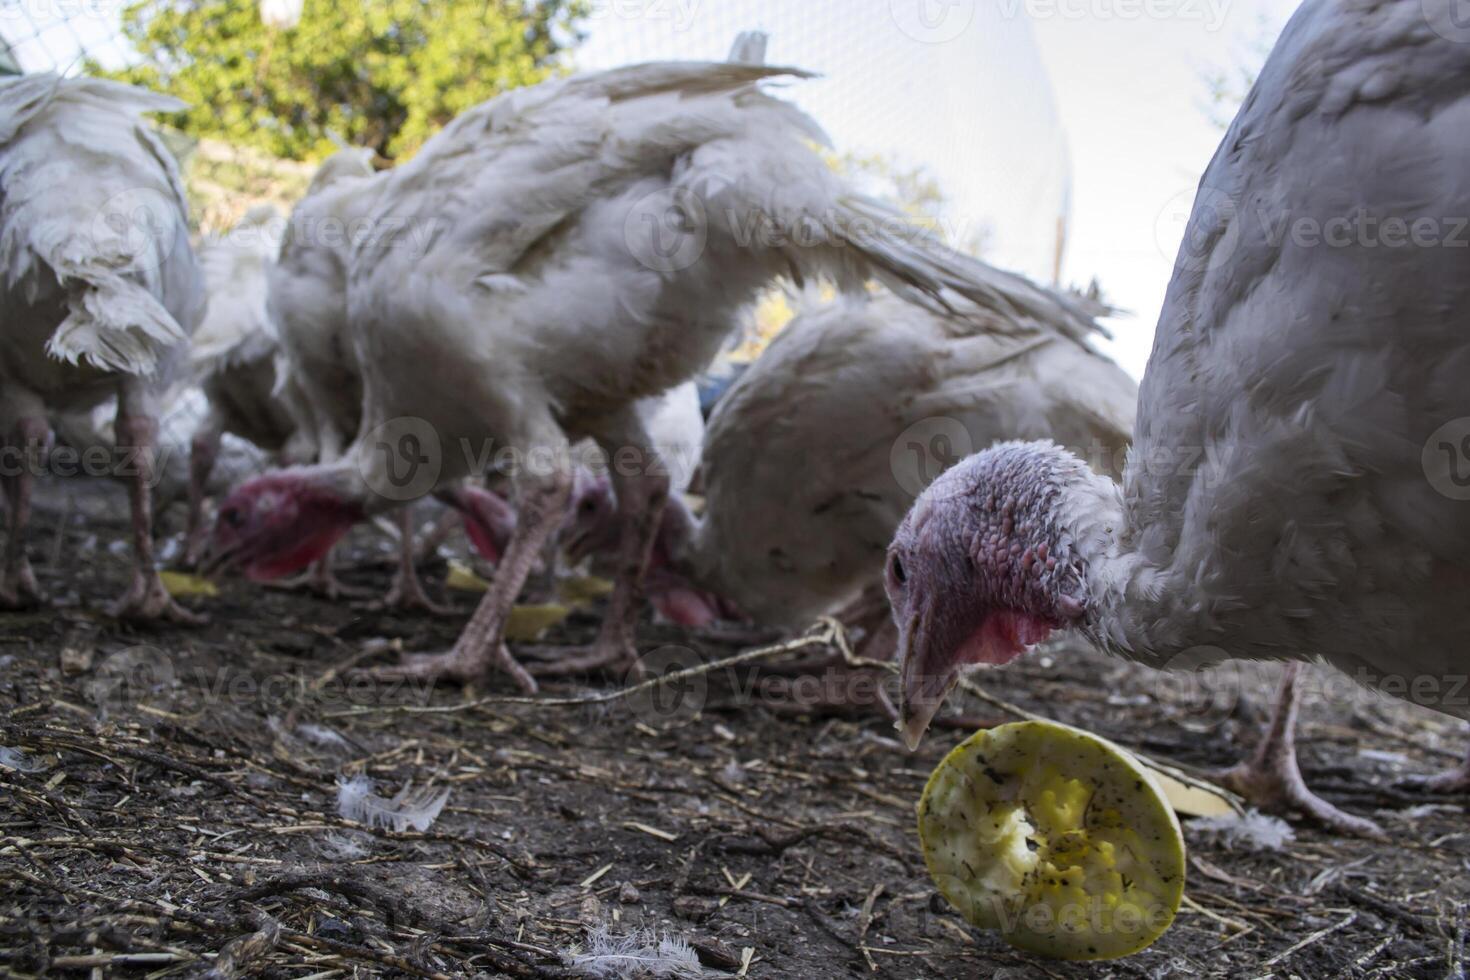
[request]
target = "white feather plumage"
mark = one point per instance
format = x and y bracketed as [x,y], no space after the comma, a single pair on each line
[94,251]
[1276,504]
[805,480]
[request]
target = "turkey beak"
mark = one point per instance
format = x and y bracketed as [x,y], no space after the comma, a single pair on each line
[217,560]
[923,690]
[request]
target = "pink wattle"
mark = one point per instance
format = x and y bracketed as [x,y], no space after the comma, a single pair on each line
[481,537]
[311,548]
[685,606]
[1003,637]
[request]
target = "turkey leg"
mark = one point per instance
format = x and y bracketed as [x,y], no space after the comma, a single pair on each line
[1271,779]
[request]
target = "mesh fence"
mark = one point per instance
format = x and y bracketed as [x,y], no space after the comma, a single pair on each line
[985,120]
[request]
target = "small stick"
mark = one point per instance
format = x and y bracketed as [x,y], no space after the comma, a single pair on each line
[1315,937]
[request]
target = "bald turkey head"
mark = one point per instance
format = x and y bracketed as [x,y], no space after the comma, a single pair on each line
[980,570]
[670,585]
[280,523]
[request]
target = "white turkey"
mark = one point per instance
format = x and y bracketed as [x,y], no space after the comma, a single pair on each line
[234,358]
[812,458]
[560,253]
[1284,499]
[99,291]
[319,377]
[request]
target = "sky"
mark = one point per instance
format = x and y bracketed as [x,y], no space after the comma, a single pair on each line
[1129,94]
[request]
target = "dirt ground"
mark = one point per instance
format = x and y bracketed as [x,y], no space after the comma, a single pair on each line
[175,808]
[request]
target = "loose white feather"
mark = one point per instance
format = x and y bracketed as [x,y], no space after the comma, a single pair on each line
[12,758]
[357,801]
[1252,831]
[637,954]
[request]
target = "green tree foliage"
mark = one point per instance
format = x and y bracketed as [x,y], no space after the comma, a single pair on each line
[380,73]
[1227,86]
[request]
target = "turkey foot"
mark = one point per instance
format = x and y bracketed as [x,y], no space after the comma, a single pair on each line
[148,601]
[1455,780]
[1271,779]
[610,654]
[407,591]
[18,587]
[137,433]
[482,644]
[464,663]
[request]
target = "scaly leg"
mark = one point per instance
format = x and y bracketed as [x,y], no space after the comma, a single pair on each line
[482,644]
[1270,778]
[1456,780]
[137,439]
[26,448]
[407,590]
[203,453]
[642,493]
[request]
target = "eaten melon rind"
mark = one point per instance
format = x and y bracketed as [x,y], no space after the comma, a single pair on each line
[1055,837]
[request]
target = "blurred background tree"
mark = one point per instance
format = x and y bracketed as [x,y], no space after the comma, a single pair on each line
[1226,86]
[287,78]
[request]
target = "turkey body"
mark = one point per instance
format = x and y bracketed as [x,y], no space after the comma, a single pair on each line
[555,256]
[814,455]
[1295,491]
[307,301]
[99,291]
[1298,381]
